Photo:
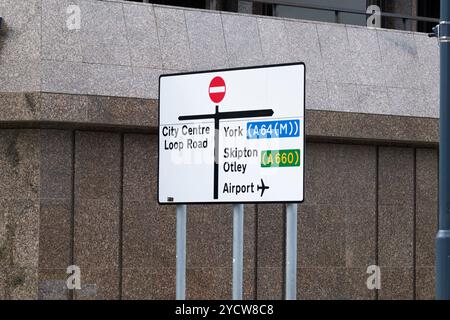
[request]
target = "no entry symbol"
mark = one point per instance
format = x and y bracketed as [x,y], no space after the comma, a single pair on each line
[217,89]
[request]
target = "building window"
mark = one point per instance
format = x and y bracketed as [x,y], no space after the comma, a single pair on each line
[327,10]
[199,4]
[427,8]
[311,10]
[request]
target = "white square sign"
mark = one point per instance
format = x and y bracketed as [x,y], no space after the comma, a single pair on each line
[233,135]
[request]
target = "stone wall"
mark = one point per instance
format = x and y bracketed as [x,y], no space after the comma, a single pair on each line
[89,198]
[78,155]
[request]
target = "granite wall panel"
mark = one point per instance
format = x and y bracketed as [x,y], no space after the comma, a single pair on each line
[97,191]
[396,222]
[19,214]
[20,45]
[209,251]
[426,220]
[270,251]
[55,235]
[148,228]
[336,223]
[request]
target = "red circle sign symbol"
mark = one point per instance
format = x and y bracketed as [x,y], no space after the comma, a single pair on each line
[217,89]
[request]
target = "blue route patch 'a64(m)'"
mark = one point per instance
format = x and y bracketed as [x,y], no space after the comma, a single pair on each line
[273,129]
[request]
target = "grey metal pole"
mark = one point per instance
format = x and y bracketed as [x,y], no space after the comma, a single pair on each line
[181,252]
[443,235]
[291,251]
[238,250]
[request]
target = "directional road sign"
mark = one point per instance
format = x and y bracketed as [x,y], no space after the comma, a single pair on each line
[234,135]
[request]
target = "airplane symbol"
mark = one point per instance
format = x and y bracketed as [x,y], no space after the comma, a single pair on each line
[262,187]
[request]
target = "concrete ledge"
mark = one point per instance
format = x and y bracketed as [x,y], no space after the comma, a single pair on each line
[65,110]
[49,110]
[373,128]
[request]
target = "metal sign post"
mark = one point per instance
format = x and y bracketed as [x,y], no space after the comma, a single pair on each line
[233,136]
[443,236]
[181,252]
[291,251]
[238,250]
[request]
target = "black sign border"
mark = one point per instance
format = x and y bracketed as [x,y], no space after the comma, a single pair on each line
[233,69]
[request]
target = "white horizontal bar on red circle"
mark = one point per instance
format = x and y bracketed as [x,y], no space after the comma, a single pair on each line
[216,89]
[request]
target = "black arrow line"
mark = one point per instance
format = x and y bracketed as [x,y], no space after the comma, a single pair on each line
[230,115]
[217,116]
